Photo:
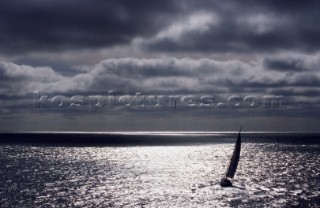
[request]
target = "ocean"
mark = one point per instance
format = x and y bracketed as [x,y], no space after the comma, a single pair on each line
[158,169]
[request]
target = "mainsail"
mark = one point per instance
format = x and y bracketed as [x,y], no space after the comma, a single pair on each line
[235,158]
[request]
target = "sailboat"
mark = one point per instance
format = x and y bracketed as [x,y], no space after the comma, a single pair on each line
[225,182]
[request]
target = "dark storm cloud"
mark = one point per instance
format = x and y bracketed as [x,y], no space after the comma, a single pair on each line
[236,26]
[246,26]
[57,24]
[284,65]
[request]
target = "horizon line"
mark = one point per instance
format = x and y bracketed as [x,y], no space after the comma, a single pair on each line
[154,132]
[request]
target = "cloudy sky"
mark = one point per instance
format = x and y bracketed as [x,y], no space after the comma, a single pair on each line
[159,48]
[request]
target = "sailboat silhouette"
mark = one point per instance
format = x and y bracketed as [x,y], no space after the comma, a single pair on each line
[225,182]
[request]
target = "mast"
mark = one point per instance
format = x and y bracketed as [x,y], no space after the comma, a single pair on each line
[235,157]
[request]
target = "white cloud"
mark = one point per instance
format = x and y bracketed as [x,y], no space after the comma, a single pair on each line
[199,22]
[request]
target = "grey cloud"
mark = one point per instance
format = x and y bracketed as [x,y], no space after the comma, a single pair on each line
[235,26]
[293,62]
[51,25]
[284,80]
[18,80]
[11,71]
[155,75]
[310,79]
[260,27]
[185,76]
[168,74]
[296,92]
[284,65]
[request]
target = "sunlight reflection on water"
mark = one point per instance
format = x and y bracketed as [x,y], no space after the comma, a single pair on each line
[272,175]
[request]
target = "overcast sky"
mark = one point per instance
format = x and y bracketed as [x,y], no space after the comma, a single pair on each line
[199,48]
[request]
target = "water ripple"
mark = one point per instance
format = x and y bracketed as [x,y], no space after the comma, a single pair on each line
[271,175]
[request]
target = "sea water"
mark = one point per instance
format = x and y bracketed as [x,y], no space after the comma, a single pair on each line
[275,170]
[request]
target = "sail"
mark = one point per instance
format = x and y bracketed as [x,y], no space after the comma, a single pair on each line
[235,158]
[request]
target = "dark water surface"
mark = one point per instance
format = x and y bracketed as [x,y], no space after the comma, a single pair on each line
[167,170]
